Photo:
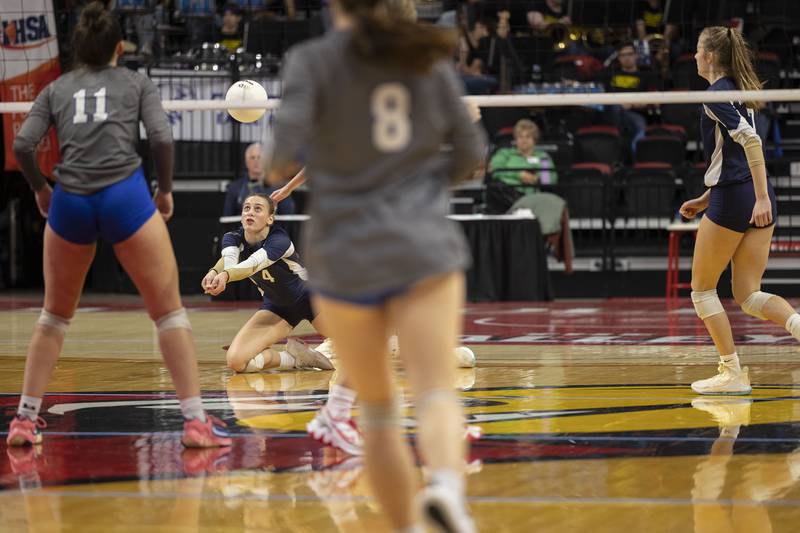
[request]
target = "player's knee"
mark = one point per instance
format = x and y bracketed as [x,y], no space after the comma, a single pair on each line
[753,305]
[53,322]
[177,319]
[706,303]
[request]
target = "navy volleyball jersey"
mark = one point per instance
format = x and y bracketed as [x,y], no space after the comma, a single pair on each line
[725,127]
[280,276]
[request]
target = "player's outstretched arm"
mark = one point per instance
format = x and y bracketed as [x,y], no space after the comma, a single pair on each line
[286,190]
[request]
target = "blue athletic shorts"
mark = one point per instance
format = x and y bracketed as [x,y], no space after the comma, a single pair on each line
[293,314]
[731,206]
[369,300]
[114,213]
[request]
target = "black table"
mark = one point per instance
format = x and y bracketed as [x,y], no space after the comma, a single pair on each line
[509,257]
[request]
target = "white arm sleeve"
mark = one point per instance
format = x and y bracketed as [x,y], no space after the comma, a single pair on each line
[230,256]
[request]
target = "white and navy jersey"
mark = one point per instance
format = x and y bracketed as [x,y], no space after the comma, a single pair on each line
[278,273]
[725,128]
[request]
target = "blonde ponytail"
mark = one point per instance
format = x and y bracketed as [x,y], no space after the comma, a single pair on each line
[734,57]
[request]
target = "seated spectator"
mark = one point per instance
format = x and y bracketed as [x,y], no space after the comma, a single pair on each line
[231,31]
[516,176]
[470,63]
[547,12]
[531,167]
[649,18]
[253,182]
[630,119]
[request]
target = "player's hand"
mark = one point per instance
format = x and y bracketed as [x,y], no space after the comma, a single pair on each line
[218,284]
[164,204]
[529,178]
[691,208]
[280,194]
[474,110]
[43,197]
[762,213]
[205,284]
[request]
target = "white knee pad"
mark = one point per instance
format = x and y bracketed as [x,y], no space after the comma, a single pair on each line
[432,396]
[173,320]
[755,303]
[56,322]
[706,303]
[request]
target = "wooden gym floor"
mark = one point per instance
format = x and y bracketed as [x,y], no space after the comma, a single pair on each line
[589,421]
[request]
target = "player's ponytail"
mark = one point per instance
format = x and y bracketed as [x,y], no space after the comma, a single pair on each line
[733,56]
[96,36]
[388,34]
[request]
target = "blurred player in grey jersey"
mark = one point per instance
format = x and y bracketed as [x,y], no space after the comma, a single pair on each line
[368,108]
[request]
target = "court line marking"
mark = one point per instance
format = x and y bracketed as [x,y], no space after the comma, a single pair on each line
[364,499]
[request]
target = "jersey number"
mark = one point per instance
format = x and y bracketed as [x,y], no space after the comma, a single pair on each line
[99,114]
[266,276]
[391,120]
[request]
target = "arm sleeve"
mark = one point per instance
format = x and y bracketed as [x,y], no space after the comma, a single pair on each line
[294,118]
[230,249]
[159,133]
[33,129]
[467,138]
[219,266]
[273,250]
[739,129]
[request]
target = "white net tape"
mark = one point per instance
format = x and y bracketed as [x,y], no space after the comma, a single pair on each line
[535,100]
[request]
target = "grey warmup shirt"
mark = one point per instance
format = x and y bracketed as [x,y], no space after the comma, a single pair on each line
[96,114]
[372,138]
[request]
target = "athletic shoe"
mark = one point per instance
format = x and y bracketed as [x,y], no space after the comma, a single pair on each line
[726,411]
[24,431]
[208,434]
[727,381]
[472,433]
[326,348]
[339,433]
[306,357]
[445,509]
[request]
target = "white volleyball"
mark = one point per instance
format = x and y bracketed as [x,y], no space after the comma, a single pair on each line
[246,91]
[465,357]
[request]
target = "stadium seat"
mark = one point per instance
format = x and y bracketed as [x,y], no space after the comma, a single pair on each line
[661,149]
[598,144]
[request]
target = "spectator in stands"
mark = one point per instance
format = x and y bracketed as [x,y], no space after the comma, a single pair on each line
[470,62]
[547,12]
[649,18]
[231,30]
[629,118]
[531,167]
[254,182]
[516,176]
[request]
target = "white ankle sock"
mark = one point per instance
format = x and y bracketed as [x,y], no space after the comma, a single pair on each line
[256,364]
[449,478]
[287,361]
[193,408]
[793,325]
[29,406]
[731,361]
[340,401]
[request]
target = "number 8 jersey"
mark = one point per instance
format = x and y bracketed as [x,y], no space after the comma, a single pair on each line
[97,114]
[382,147]
[272,264]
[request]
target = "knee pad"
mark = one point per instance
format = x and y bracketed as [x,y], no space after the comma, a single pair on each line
[56,322]
[706,303]
[755,303]
[174,320]
[379,415]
